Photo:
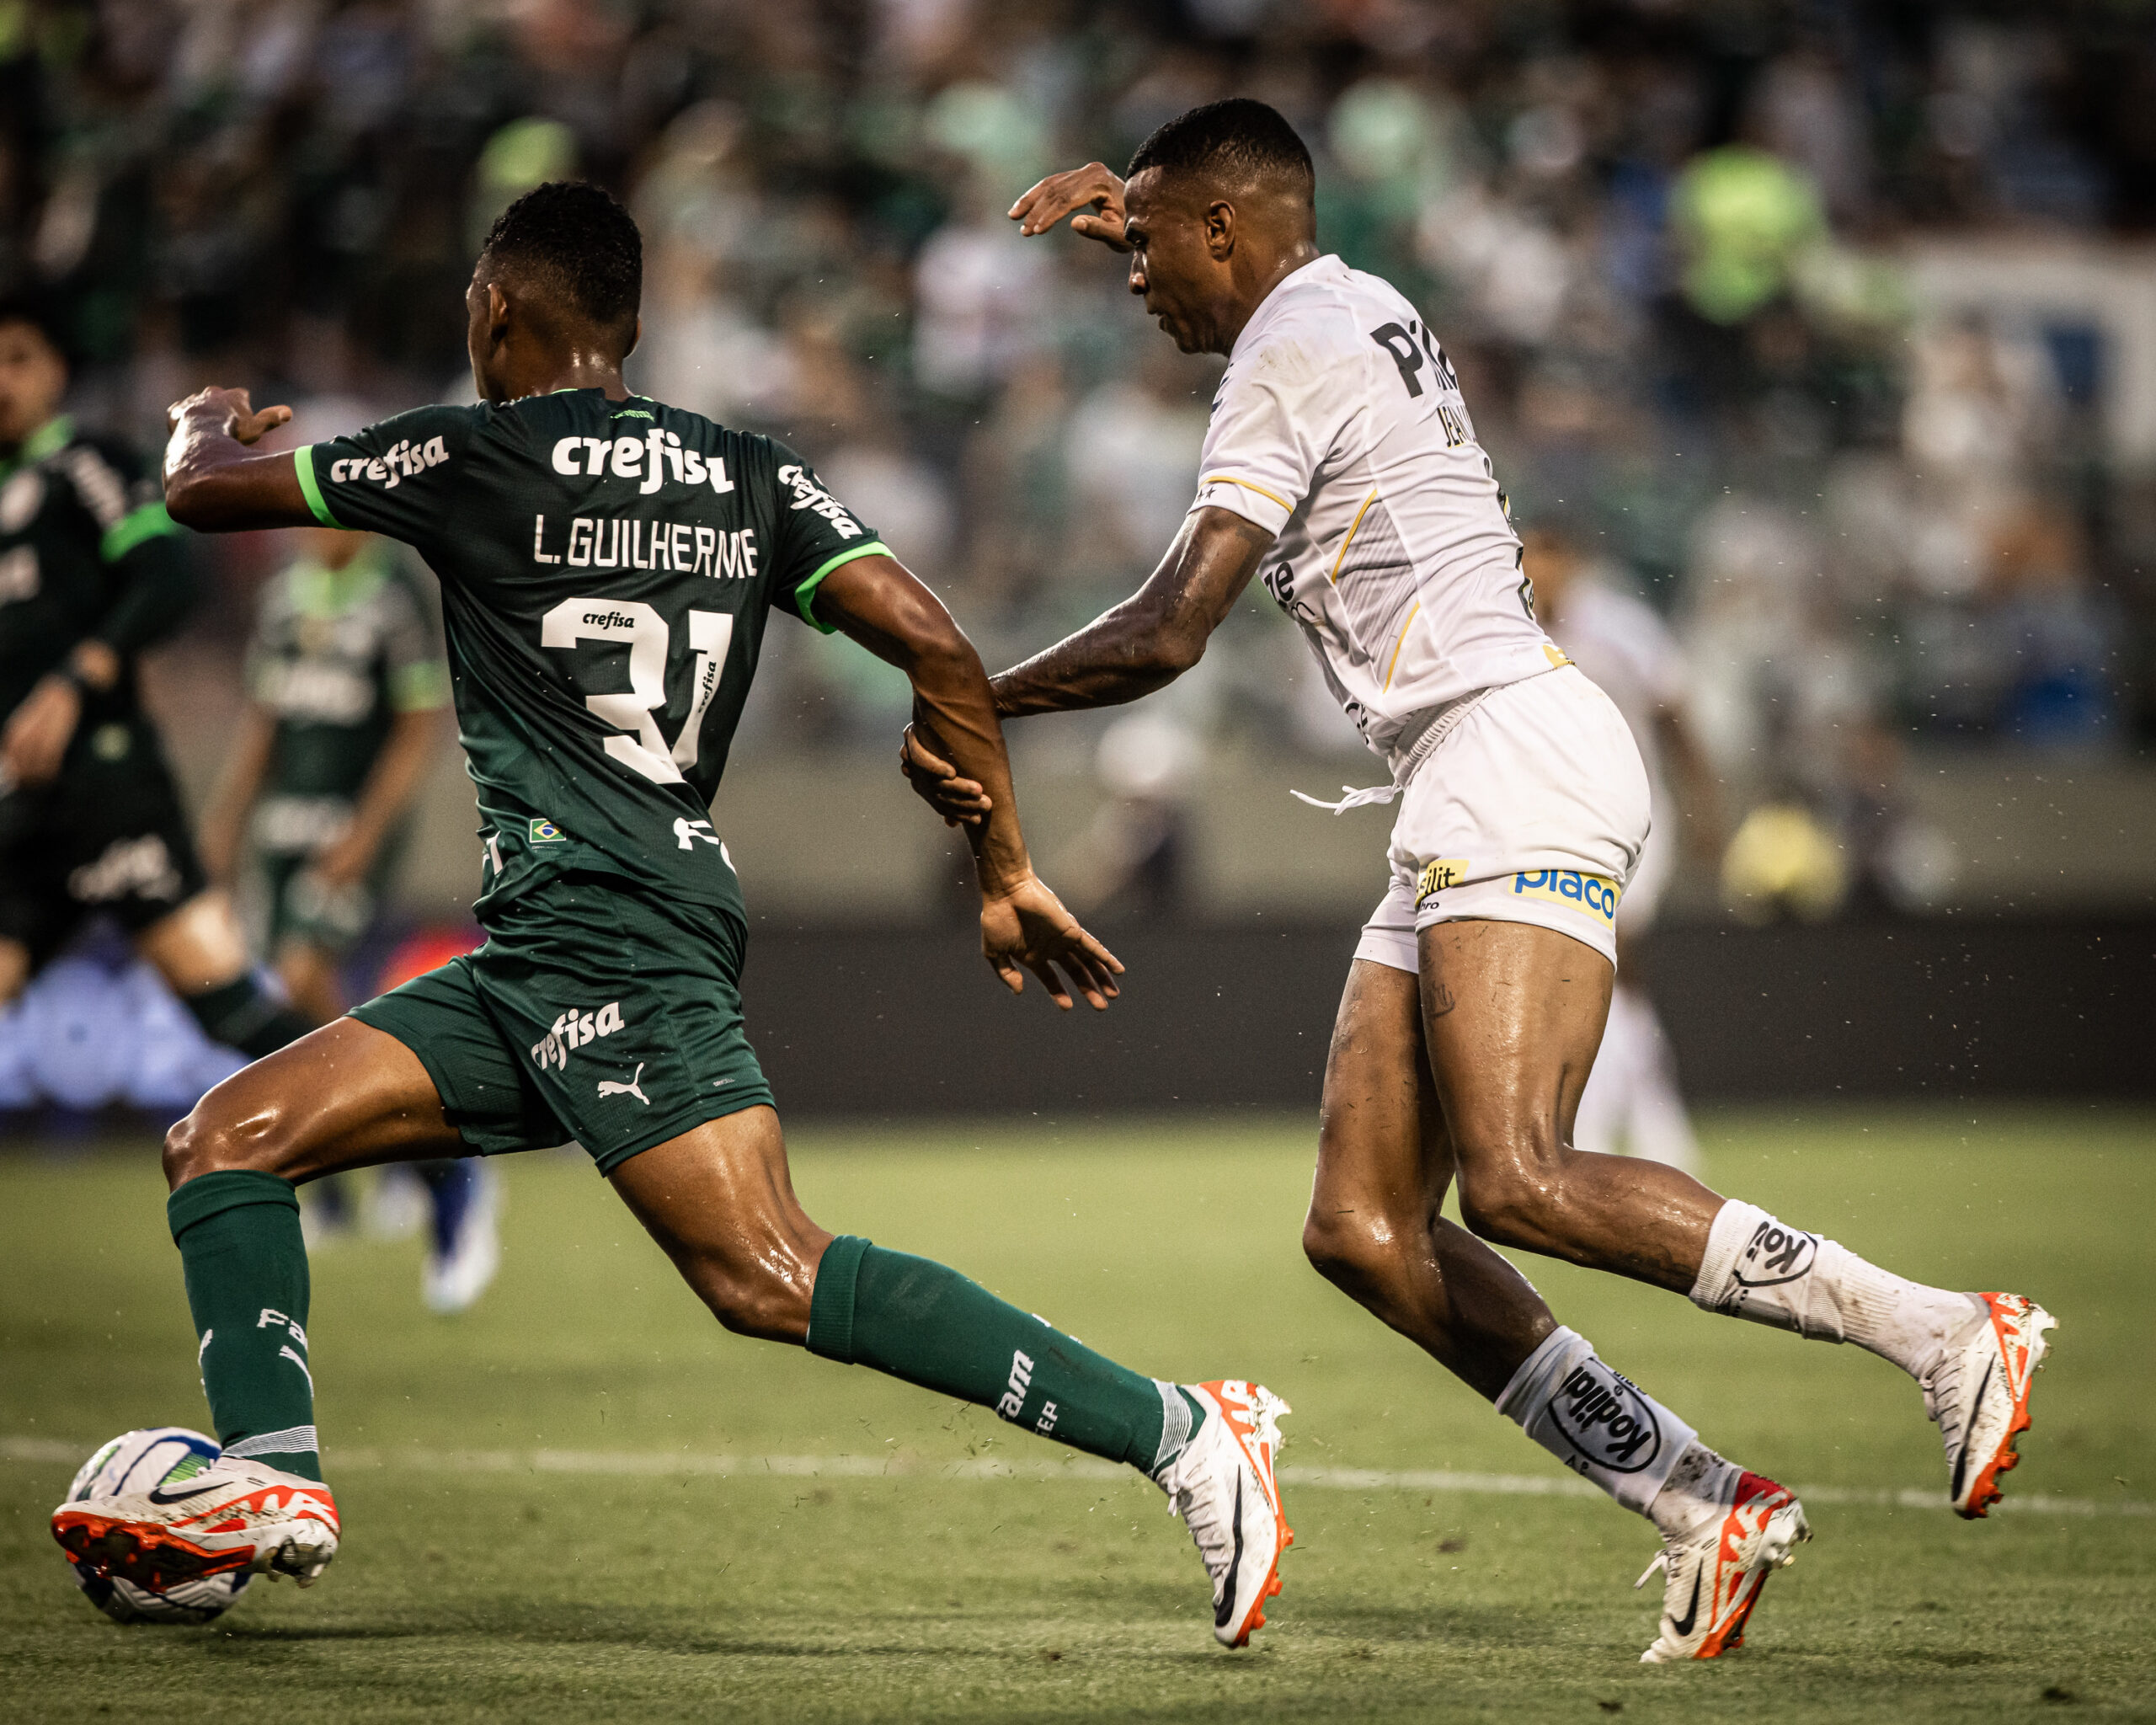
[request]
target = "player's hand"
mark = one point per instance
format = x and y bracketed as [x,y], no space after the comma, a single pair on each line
[228,411]
[960,802]
[1094,192]
[1025,927]
[342,860]
[39,732]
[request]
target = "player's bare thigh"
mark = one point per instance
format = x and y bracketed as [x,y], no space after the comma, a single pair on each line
[1384,1158]
[719,1200]
[345,1096]
[1513,1015]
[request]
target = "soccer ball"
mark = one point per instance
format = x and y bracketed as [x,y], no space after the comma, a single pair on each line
[136,1461]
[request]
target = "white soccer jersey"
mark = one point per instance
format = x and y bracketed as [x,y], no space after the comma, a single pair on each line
[1339,428]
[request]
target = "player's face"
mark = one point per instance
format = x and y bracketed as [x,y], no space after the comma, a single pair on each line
[33,378]
[1171,264]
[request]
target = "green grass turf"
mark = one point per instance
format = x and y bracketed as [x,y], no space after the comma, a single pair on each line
[545,1596]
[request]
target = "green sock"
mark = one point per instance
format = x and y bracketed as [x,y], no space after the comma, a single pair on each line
[930,1326]
[238,1235]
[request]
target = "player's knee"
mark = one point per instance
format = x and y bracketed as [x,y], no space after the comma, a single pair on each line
[1510,1205]
[1354,1248]
[750,1299]
[215,1136]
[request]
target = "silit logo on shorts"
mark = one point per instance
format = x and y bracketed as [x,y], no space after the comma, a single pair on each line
[573,1029]
[1436,876]
[1774,1255]
[1605,1419]
[1590,894]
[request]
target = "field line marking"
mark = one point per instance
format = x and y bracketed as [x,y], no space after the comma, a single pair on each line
[650,1463]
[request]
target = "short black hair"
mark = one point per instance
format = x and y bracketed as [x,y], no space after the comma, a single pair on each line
[1238,135]
[579,244]
[42,312]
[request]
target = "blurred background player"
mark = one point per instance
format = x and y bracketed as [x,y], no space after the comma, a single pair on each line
[1631,1102]
[92,572]
[346,687]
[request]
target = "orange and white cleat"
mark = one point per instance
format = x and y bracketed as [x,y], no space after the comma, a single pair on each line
[236,1514]
[1223,1487]
[1978,1396]
[1712,1576]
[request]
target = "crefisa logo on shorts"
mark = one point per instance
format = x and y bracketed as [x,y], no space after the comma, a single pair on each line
[1606,1420]
[1774,1255]
[1590,894]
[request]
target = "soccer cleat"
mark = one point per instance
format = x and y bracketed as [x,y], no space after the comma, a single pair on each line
[1712,1576]
[1223,1487]
[234,1515]
[1979,1396]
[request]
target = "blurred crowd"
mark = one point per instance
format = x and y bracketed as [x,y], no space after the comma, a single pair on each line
[1665,244]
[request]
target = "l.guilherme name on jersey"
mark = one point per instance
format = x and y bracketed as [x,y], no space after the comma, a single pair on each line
[606,571]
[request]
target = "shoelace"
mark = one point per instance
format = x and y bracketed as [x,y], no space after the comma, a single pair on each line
[1660,1561]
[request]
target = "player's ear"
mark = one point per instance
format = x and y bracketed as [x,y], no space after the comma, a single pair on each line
[1220,219]
[497,314]
[636,335]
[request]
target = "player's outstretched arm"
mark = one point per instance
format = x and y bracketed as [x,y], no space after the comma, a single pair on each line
[1091,196]
[212,483]
[1144,645]
[1023,926]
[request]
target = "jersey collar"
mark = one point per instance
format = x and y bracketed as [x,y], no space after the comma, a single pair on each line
[1326,268]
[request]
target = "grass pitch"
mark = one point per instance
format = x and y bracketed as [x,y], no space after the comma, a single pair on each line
[595,1562]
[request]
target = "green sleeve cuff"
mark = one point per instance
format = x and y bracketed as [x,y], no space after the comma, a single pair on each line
[150,521]
[303,465]
[804,595]
[420,688]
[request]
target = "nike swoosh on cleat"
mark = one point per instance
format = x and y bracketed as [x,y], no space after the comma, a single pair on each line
[1682,1626]
[1962,1461]
[158,1494]
[1226,1607]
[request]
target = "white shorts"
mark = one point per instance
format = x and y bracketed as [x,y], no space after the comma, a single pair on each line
[1534,809]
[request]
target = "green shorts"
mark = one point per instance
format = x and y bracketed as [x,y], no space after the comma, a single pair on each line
[592,1014]
[331,919]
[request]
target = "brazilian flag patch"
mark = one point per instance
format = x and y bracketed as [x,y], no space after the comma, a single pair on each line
[545,832]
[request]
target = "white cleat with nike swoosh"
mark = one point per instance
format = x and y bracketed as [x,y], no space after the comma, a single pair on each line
[236,1514]
[1979,1396]
[1223,1487]
[1712,1576]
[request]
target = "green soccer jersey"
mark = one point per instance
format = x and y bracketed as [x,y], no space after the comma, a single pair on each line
[86,550]
[607,569]
[336,654]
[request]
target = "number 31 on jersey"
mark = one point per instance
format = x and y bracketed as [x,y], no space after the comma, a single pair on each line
[637,742]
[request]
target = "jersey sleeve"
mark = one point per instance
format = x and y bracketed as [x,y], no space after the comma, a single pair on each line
[1270,431]
[815,534]
[152,580]
[398,479]
[413,669]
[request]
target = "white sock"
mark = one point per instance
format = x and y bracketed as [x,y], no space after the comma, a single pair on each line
[1758,1269]
[1702,1484]
[1604,1427]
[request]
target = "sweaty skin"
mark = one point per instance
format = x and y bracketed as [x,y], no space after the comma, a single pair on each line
[1471,1070]
[717,1198]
